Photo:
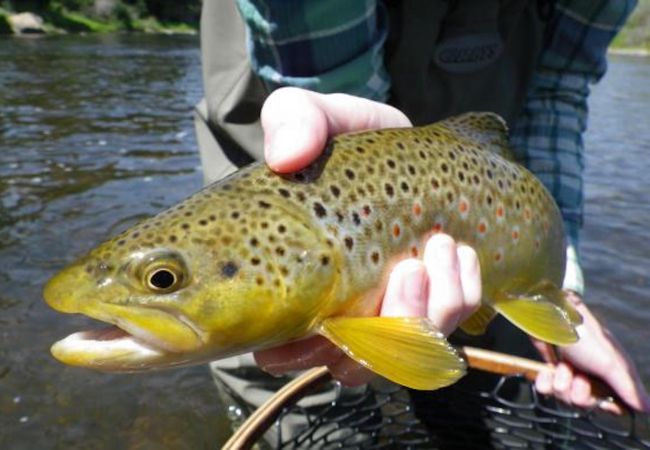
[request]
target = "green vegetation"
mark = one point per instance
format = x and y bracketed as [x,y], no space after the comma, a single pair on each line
[636,33]
[102,16]
[5,27]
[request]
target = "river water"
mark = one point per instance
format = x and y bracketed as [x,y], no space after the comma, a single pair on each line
[96,133]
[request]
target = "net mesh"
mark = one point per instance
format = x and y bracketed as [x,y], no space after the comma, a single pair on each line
[480,412]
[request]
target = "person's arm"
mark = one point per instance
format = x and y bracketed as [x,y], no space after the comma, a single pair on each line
[548,139]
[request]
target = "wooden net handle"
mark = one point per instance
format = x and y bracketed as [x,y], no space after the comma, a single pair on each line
[477,358]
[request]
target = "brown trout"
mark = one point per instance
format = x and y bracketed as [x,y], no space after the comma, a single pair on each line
[260,259]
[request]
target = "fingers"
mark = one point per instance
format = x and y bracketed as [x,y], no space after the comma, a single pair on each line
[454,282]
[406,291]
[297,123]
[299,355]
[312,352]
[571,388]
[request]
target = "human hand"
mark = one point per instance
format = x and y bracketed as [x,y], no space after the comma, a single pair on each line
[445,286]
[597,353]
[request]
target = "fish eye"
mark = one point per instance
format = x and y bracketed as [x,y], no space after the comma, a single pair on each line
[163,280]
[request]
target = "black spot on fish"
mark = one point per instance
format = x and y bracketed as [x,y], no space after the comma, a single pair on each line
[375,257]
[185,226]
[255,261]
[390,163]
[488,172]
[390,191]
[263,204]
[234,215]
[173,238]
[282,228]
[229,269]
[324,260]
[404,185]
[349,242]
[280,251]
[452,155]
[285,193]
[121,242]
[411,169]
[349,173]
[461,176]
[203,222]
[339,216]
[356,219]
[299,176]
[320,210]
[335,190]
[254,242]
[361,150]
[400,146]
[444,167]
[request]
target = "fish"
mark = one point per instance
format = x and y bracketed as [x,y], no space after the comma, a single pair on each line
[260,259]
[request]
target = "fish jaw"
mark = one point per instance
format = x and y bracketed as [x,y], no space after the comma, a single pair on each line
[113,350]
[143,337]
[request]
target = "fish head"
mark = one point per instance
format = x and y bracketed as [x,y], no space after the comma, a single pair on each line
[205,296]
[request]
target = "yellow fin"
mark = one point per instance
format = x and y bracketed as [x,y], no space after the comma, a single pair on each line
[406,350]
[478,322]
[539,317]
[485,128]
[548,291]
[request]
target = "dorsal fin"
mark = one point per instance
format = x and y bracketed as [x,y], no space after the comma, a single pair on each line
[487,129]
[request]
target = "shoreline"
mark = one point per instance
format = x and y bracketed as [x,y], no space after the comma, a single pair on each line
[631,51]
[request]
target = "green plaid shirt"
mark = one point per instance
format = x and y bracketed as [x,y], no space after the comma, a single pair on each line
[337,46]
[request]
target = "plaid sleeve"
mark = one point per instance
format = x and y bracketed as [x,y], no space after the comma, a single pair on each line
[547,137]
[324,46]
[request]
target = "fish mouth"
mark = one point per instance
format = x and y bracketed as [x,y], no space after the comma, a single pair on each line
[114,349]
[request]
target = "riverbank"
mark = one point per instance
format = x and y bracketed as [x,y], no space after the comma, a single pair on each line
[56,18]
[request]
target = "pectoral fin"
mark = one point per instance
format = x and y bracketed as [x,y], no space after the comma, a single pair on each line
[544,315]
[406,350]
[478,322]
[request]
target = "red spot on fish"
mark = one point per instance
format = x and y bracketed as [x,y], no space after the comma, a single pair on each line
[414,252]
[437,227]
[482,227]
[500,211]
[527,214]
[365,212]
[417,209]
[498,256]
[396,230]
[515,235]
[463,207]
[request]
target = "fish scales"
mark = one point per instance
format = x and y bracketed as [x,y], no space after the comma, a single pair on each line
[319,243]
